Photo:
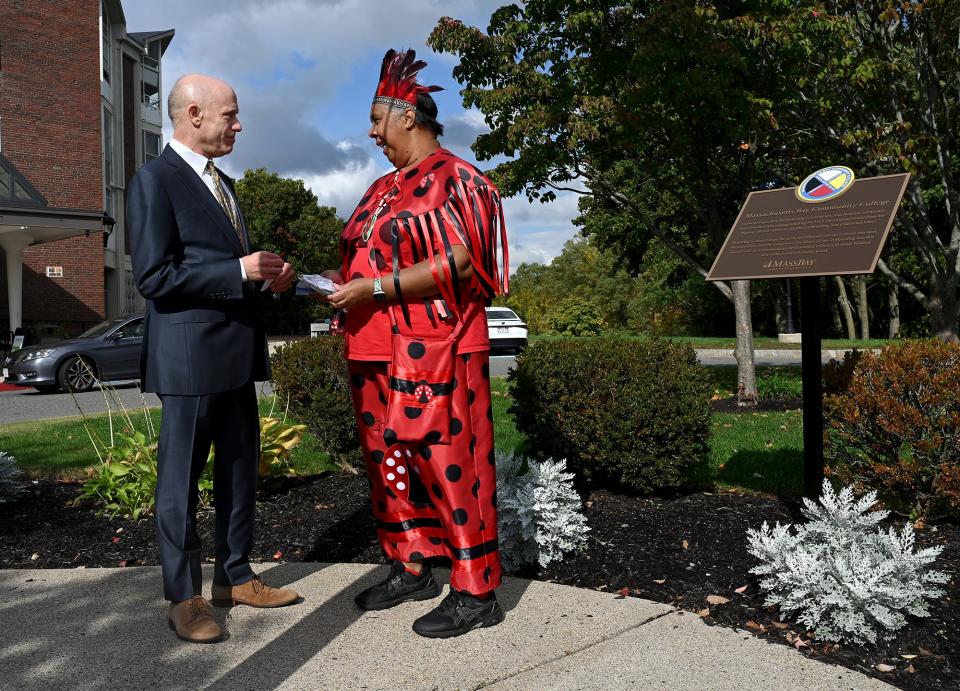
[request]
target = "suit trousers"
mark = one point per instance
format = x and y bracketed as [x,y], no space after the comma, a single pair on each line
[231,422]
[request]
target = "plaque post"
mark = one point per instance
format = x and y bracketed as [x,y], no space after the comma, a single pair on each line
[812,377]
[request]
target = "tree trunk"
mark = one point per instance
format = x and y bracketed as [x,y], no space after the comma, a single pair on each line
[863,309]
[845,306]
[944,311]
[746,372]
[779,306]
[835,317]
[893,309]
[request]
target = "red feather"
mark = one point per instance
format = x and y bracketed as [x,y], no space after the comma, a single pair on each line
[398,77]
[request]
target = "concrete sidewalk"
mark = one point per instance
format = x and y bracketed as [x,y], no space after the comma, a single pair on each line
[106,628]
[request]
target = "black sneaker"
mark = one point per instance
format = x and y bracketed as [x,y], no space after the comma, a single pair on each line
[458,613]
[400,586]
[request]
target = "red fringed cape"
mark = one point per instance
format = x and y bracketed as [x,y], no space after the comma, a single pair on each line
[443,201]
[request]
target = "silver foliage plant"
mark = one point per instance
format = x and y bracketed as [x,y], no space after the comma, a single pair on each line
[540,517]
[849,580]
[11,486]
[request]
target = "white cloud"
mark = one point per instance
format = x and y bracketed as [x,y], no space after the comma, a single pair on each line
[304,71]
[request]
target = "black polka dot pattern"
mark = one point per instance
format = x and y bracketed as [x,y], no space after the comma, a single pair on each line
[492,458]
[435,541]
[416,556]
[486,574]
[433,437]
[368,418]
[376,456]
[473,444]
[453,472]
[362,216]
[411,173]
[416,350]
[456,427]
[437,492]
[460,516]
[358,380]
[390,437]
[476,487]
[426,453]
[412,413]
[471,396]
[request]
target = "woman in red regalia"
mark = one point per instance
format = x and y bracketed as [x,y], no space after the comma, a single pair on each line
[423,254]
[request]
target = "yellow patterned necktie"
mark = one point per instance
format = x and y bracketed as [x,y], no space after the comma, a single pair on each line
[221,194]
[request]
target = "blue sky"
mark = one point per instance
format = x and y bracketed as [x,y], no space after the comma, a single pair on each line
[305,71]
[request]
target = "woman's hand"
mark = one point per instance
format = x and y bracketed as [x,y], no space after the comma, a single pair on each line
[356,292]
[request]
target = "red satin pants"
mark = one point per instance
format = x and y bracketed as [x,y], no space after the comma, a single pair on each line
[451,510]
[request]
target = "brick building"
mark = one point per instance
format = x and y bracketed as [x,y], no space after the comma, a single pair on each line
[80,111]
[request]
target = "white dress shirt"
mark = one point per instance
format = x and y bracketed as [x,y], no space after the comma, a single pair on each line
[198,163]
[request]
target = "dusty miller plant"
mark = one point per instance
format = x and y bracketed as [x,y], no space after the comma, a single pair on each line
[11,486]
[540,517]
[848,579]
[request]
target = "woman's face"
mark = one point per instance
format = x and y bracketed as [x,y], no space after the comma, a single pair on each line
[388,131]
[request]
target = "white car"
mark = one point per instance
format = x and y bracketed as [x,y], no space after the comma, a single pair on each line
[507,331]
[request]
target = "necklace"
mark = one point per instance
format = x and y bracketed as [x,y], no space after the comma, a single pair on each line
[387,198]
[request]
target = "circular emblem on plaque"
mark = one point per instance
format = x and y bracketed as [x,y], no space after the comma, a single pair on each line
[826,183]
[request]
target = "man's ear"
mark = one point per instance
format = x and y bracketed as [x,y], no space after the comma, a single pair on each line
[195,114]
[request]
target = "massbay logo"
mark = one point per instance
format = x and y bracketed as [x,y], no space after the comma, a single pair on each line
[789,264]
[826,183]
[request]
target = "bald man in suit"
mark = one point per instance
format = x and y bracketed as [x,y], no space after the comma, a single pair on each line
[204,346]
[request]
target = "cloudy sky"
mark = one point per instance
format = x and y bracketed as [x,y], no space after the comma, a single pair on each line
[305,71]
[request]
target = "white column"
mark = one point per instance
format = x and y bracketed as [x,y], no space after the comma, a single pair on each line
[13,245]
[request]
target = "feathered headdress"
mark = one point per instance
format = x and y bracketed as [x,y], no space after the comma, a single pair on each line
[398,86]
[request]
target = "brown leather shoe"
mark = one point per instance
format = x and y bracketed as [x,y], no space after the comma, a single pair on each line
[193,621]
[254,593]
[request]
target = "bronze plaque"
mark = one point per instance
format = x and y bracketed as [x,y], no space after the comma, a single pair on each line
[777,235]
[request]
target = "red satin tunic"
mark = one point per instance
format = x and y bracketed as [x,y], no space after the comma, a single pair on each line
[442,202]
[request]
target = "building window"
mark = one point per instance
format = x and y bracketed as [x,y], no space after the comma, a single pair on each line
[108,160]
[151,146]
[106,53]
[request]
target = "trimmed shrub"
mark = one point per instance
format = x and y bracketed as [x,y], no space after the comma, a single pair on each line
[312,375]
[632,412]
[896,427]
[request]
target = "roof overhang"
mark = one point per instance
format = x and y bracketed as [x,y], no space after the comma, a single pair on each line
[46,224]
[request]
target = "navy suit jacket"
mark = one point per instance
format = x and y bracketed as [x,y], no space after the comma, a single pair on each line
[203,331]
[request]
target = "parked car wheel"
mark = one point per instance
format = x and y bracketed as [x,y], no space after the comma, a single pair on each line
[76,374]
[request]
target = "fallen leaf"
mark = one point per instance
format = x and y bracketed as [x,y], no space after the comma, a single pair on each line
[727,425]
[321,507]
[918,524]
[119,530]
[659,581]
[908,657]
[114,540]
[277,555]
[924,652]
[911,669]
[883,667]
[686,545]
[622,593]
[34,556]
[751,624]
[123,563]
[800,643]
[758,475]
[717,600]
[778,625]
[705,612]
[741,589]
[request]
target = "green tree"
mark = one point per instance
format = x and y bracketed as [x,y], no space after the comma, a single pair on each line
[657,113]
[876,85]
[284,217]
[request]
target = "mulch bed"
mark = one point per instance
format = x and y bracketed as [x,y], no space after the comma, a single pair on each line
[678,550]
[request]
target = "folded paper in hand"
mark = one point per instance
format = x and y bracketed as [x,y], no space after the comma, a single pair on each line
[315,283]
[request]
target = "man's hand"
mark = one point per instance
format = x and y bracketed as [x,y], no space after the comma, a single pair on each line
[284,280]
[356,292]
[262,266]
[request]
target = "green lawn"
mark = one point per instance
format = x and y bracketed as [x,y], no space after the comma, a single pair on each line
[759,451]
[772,382]
[759,342]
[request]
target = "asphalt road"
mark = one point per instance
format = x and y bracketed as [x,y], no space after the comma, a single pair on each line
[27,404]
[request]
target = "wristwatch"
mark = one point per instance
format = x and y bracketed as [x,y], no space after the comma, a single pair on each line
[378,294]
